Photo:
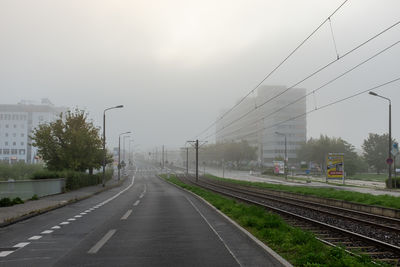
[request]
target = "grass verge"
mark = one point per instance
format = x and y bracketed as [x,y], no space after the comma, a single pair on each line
[362,198]
[299,247]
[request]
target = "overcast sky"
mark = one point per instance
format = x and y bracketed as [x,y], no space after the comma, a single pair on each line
[175,65]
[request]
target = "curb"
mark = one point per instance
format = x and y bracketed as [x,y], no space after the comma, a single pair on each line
[267,249]
[34,213]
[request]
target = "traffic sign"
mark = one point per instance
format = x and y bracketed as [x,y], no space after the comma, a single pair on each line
[395,149]
[389,161]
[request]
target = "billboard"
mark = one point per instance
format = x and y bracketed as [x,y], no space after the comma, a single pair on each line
[279,167]
[335,166]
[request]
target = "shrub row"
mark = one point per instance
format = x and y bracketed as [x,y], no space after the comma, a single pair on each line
[18,171]
[6,202]
[74,180]
[395,182]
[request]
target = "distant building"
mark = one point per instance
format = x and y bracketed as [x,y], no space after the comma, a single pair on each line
[258,127]
[17,123]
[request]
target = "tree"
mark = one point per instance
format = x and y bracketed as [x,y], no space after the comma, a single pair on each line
[234,152]
[315,150]
[376,150]
[70,142]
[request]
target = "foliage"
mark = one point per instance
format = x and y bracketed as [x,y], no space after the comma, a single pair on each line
[229,152]
[69,143]
[376,150]
[74,180]
[6,202]
[18,171]
[362,198]
[315,150]
[395,183]
[35,197]
[299,247]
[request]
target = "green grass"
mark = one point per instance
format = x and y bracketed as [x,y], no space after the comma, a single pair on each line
[369,177]
[362,198]
[299,247]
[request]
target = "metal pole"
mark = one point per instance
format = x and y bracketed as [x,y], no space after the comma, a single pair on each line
[187,161]
[197,160]
[163,156]
[285,168]
[104,149]
[119,157]
[390,143]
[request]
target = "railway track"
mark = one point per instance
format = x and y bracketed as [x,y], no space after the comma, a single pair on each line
[359,232]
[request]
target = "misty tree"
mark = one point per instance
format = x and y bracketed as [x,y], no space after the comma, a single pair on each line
[315,150]
[375,150]
[69,143]
[235,152]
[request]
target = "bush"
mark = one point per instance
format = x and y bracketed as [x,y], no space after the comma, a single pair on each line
[18,171]
[47,174]
[17,200]
[5,202]
[35,197]
[395,182]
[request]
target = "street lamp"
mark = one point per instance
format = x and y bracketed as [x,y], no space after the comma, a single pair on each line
[119,154]
[390,136]
[104,142]
[285,161]
[130,155]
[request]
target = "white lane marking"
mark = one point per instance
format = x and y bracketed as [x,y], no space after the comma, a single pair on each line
[5,253]
[22,244]
[78,216]
[71,219]
[102,241]
[215,232]
[126,215]
[86,211]
[136,203]
[56,227]
[35,237]
[83,213]
[47,232]
[64,223]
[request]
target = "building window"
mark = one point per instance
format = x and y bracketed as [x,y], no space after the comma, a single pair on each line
[14,143]
[6,125]
[40,118]
[22,151]
[14,135]
[22,143]
[22,126]
[14,151]
[6,143]
[1,151]
[6,134]
[22,135]
[15,126]
[6,151]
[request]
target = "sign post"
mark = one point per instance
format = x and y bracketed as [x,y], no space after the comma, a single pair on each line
[395,152]
[335,166]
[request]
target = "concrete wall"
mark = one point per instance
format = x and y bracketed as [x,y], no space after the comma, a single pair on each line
[25,189]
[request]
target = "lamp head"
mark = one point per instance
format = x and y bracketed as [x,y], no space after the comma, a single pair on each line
[373,93]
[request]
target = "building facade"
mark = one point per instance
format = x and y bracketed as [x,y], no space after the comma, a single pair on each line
[17,123]
[258,118]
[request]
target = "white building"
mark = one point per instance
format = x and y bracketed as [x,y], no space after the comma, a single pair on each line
[16,125]
[259,127]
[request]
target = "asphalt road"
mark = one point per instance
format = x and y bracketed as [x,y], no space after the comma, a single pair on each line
[147,222]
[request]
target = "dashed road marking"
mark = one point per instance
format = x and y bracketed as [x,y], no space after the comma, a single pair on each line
[64,223]
[78,216]
[6,253]
[35,237]
[102,241]
[126,215]
[22,244]
[47,232]
[71,219]
[56,227]
[136,203]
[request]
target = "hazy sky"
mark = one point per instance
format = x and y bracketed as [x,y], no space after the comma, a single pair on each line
[176,64]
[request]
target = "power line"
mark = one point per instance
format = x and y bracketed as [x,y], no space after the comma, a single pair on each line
[315,90]
[331,104]
[273,71]
[310,75]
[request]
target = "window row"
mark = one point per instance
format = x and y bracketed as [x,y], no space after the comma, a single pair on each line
[6,151]
[15,126]
[6,143]
[14,135]
[14,117]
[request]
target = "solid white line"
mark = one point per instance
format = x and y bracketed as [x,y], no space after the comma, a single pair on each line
[126,215]
[21,245]
[102,241]
[5,253]
[56,227]
[212,228]
[35,237]
[136,203]
[47,232]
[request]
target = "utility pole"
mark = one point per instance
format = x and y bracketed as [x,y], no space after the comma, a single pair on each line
[197,159]
[187,161]
[163,156]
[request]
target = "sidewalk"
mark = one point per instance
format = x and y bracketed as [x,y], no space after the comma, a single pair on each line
[9,215]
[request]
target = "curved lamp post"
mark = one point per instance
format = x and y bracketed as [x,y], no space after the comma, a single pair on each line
[390,135]
[104,142]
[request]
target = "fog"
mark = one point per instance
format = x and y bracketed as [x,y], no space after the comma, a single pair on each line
[175,65]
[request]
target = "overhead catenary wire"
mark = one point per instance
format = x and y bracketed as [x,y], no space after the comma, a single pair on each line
[310,75]
[312,92]
[275,69]
[330,104]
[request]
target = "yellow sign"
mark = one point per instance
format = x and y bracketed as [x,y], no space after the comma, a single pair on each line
[335,165]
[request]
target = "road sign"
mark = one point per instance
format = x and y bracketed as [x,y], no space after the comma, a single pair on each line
[389,161]
[395,149]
